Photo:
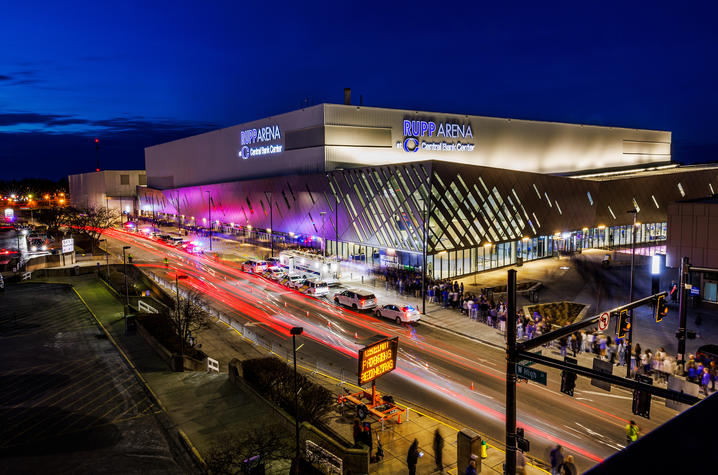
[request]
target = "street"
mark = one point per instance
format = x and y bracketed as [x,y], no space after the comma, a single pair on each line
[438,371]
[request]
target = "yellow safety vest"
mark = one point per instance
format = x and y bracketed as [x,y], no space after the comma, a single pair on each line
[632,432]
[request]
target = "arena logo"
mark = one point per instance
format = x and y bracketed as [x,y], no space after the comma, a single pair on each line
[415,130]
[251,137]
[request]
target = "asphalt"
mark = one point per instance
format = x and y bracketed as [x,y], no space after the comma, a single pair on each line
[69,401]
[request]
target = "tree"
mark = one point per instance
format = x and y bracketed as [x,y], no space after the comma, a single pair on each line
[270,443]
[52,217]
[191,317]
[92,221]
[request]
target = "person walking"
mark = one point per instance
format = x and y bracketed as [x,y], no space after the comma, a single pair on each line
[563,343]
[632,431]
[439,450]
[412,457]
[356,431]
[569,467]
[556,457]
[705,380]
[471,468]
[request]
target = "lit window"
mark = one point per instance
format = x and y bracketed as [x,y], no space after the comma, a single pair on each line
[710,185]
[611,211]
[654,201]
[548,199]
[558,208]
[635,206]
[590,198]
[537,220]
[680,188]
[537,191]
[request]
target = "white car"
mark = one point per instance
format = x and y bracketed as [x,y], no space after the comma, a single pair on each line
[356,299]
[315,288]
[398,313]
[274,273]
[256,267]
[273,262]
[292,281]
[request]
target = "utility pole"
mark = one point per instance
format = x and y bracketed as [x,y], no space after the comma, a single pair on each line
[682,311]
[511,374]
[97,155]
[179,316]
[209,211]
[127,291]
[630,294]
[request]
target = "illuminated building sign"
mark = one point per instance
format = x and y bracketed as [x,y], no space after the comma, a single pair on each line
[377,359]
[253,141]
[418,135]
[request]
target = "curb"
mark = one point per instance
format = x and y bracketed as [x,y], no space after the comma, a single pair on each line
[455,332]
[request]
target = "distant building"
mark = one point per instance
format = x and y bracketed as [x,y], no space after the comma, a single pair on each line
[692,231]
[114,189]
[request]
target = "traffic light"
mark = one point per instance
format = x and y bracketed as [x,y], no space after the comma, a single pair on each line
[521,442]
[642,399]
[661,308]
[624,323]
[568,382]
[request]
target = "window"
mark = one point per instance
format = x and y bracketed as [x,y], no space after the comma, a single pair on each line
[558,208]
[548,199]
[635,206]
[710,186]
[680,188]
[611,211]
[537,191]
[655,202]
[590,199]
[143,180]
[124,179]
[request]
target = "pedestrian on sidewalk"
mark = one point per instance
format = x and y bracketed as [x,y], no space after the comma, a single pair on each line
[439,450]
[569,467]
[563,344]
[471,468]
[705,380]
[412,457]
[632,431]
[356,431]
[556,457]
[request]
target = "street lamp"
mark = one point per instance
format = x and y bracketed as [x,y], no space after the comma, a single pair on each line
[107,258]
[324,236]
[179,319]
[630,293]
[124,271]
[296,331]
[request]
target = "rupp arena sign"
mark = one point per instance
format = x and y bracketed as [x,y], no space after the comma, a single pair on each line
[377,359]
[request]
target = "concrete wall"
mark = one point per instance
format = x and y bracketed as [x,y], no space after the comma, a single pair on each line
[692,231]
[105,188]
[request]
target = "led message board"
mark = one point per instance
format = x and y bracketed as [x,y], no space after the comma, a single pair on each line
[377,359]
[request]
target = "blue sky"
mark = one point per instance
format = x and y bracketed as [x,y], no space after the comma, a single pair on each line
[136,74]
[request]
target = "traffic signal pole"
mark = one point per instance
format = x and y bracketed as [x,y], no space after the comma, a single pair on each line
[629,346]
[510,465]
[682,312]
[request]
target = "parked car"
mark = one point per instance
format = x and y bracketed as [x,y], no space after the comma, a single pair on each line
[273,262]
[315,288]
[255,267]
[274,273]
[356,299]
[291,280]
[707,353]
[398,313]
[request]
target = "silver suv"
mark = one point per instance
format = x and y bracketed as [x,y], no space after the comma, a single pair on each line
[356,299]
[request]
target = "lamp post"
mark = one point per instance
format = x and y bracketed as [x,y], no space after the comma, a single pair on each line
[179,318]
[630,294]
[324,236]
[124,271]
[296,331]
[107,258]
[209,210]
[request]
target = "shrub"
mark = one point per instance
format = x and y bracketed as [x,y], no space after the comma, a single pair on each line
[275,380]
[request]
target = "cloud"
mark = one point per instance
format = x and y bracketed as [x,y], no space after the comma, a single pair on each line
[17,118]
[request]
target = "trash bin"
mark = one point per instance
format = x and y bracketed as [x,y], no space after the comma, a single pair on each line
[76,270]
[519,261]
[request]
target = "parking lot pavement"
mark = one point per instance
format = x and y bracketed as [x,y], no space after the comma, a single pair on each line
[67,400]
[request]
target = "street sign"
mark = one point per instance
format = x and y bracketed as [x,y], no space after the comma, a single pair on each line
[603,321]
[695,290]
[527,362]
[605,367]
[68,245]
[531,374]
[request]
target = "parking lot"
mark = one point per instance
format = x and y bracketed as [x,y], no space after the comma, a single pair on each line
[67,399]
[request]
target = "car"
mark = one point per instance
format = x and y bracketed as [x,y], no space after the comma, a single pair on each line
[256,267]
[707,353]
[398,313]
[273,262]
[274,273]
[291,280]
[315,288]
[356,299]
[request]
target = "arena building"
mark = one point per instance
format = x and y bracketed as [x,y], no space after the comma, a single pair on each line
[454,194]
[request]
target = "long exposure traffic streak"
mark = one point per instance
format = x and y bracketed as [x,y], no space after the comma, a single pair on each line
[435,369]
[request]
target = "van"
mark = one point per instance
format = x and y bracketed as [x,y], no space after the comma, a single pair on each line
[315,288]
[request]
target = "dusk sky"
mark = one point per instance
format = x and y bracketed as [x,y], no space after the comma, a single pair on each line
[135,74]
